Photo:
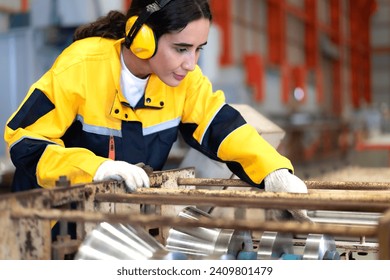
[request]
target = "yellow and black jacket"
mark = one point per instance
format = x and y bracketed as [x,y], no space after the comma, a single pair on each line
[75,117]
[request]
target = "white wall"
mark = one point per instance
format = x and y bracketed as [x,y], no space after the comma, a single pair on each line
[16,73]
[70,13]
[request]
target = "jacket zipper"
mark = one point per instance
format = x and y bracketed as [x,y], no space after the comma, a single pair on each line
[111,148]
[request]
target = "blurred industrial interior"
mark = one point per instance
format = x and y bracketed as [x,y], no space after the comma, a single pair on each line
[316,72]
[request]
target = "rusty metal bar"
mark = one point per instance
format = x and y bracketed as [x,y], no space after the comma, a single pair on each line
[253,199]
[330,185]
[239,193]
[384,236]
[212,182]
[344,185]
[164,221]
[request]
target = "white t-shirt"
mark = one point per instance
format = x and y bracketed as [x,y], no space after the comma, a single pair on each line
[133,87]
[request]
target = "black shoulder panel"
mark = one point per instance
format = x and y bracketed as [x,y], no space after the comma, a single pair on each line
[36,106]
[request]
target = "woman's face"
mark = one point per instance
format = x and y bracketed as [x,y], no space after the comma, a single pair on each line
[178,53]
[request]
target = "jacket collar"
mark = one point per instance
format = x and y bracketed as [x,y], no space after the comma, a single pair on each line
[155,92]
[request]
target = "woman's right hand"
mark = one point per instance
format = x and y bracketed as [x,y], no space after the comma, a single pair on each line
[133,175]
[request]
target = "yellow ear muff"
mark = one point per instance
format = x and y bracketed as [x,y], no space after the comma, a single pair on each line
[143,42]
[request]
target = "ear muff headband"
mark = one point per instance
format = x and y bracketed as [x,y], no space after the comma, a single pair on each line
[140,38]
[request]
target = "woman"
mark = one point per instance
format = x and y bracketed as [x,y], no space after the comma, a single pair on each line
[120,94]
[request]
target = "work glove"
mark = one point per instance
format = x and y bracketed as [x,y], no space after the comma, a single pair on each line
[283,181]
[133,175]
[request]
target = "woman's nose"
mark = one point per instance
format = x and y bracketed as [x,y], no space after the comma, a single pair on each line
[190,62]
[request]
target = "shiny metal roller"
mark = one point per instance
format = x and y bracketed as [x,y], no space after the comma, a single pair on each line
[279,246]
[206,243]
[122,242]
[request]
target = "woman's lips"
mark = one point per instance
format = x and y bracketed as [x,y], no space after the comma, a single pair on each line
[178,77]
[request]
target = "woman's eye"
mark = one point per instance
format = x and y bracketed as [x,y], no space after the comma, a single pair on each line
[181,50]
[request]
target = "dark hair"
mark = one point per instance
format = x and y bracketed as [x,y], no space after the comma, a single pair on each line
[172,18]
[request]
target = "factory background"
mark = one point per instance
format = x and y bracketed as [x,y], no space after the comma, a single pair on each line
[320,69]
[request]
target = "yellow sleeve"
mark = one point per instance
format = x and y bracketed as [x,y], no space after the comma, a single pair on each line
[256,156]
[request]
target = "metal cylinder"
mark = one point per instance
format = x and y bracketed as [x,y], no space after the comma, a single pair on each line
[122,242]
[279,246]
[202,242]
[273,245]
[344,217]
[320,247]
